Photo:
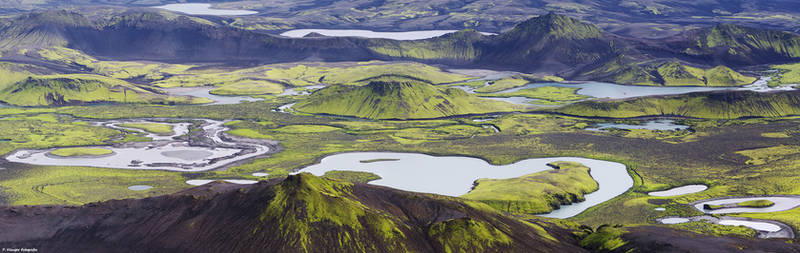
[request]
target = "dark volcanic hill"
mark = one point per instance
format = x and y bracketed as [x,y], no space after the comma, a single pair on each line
[550,43]
[303,213]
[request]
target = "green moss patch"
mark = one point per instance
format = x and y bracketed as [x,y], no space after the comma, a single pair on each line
[605,239]
[70,152]
[352,176]
[548,93]
[766,155]
[503,84]
[248,87]
[156,128]
[83,88]
[756,203]
[467,235]
[540,192]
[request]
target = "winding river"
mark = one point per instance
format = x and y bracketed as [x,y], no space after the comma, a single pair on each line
[454,175]
[763,228]
[162,153]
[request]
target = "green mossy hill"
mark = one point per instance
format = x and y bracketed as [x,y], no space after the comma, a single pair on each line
[302,213]
[677,74]
[39,29]
[605,239]
[397,100]
[738,45]
[671,73]
[553,26]
[540,192]
[709,105]
[458,47]
[80,88]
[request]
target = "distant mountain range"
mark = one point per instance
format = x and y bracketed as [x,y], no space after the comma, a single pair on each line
[640,18]
[548,44]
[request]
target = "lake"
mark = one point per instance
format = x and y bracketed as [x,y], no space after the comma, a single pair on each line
[409,35]
[618,91]
[203,9]
[661,124]
[677,191]
[454,175]
[203,92]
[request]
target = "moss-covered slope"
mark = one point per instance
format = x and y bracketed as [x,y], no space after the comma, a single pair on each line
[303,213]
[711,105]
[79,89]
[734,45]
[669,73]
[397,100]
[540,192]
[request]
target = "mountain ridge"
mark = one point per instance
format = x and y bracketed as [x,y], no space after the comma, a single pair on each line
[548,44]
[302,213]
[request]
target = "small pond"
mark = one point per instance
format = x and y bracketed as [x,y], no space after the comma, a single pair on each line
[140,187]
[677,191]
[762,226]
[199,182]
[659,124]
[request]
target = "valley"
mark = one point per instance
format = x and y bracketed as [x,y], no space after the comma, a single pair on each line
[143,128]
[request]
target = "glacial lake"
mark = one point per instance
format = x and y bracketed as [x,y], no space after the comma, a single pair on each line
[618,91]
[203,9]
[454,175]
[203,92]
[660,124]
[409,35]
